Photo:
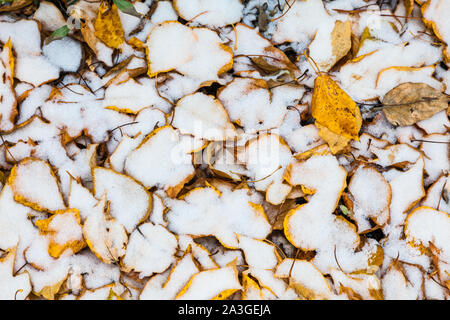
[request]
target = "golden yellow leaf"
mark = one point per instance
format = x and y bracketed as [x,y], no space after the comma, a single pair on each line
[410,102]
[250,285]
[113,296]
[108,27]
[409,6]
[8,45]
[336,142]
[55,247]
[334,109]
[364,36]
[138,44]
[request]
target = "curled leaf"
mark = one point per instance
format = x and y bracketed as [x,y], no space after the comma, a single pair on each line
[273,61]
[410,102]
[341,41]
[336,142]
[58,34]
[11,5]
[127,7]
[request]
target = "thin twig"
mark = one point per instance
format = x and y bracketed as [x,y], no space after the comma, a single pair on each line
[293,262]
[429,141]
[335,258]
[6,148]
[442,194]
[289,8]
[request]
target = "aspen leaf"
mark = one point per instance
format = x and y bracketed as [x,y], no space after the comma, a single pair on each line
[409,103]
[105,236]
[334,109]
[64,231]
[108,27]
[49,292]
[336,142]
[340,42]
[8,100]
[409,6]
[185,150]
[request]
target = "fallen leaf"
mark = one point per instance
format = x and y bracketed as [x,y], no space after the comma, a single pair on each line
[273,61]
[341,40]
[336,142]
[88,33]
[108,27]
[334,109]
[57,229]
[409,6]
[12,5]
[58,34]
[127,7]
[410,102]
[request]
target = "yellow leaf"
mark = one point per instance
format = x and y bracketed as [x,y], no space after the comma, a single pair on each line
[334,109]
[8,45]
[138,44]
[409,6]
[54,225]
[113,296]
[108,27]
[336,142]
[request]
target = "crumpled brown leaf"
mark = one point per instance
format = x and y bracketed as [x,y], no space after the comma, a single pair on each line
[410,102]
[341,39]
[273,61]
[15,5]
[88,33]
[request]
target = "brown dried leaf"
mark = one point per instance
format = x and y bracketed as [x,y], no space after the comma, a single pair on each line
[410,102]
[88,33]
[341,39]
[15,5]
[273,61]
